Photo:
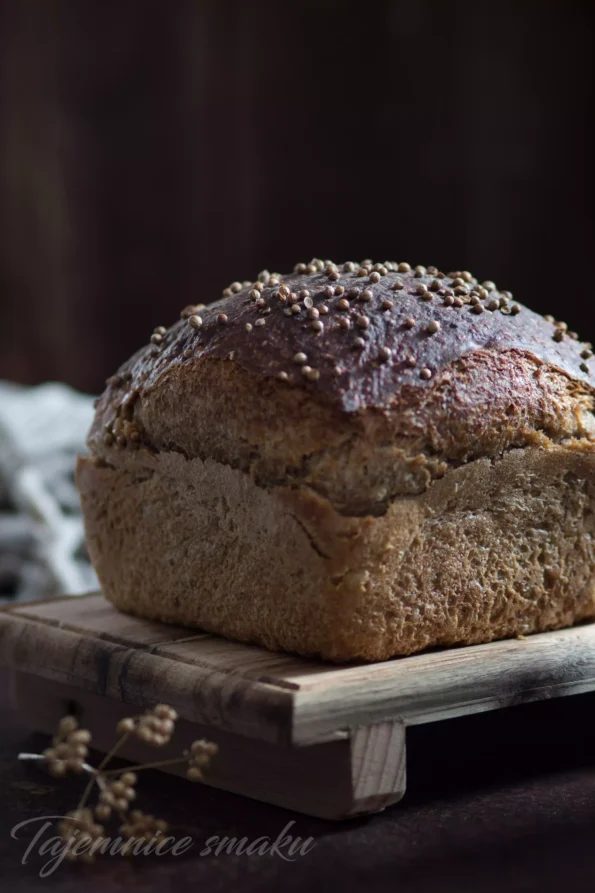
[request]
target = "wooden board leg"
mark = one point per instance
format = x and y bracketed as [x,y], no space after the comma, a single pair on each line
[333,780]
[378,766]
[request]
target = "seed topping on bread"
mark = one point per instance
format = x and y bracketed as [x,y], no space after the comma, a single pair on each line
[355,334]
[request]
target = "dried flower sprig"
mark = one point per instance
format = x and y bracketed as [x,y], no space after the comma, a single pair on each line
[116,787]
[81,833]
[143,827]
[69,748]
[154,727]
[199,759]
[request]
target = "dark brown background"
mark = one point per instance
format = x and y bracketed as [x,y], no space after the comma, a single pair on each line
[151,152]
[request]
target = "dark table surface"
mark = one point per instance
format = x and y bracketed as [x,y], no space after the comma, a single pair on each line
[503,801]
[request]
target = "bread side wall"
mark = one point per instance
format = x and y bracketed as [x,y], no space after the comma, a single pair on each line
[493,549]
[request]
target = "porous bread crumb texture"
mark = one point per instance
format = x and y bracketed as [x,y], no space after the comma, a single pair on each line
[354,461]
[493,549]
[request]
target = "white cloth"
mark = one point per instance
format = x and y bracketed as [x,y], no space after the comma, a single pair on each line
[41,532]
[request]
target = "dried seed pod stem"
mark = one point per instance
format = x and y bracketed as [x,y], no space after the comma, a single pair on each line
[116,786]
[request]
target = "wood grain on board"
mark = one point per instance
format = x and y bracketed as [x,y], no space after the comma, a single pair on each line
[322,739]
[280,697]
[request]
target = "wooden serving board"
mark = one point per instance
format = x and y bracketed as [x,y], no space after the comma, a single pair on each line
[311,736]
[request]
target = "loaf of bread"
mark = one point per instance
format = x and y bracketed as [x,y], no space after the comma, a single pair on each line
[354,461]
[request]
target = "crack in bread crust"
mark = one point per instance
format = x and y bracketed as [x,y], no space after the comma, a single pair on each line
[492,549]
[481,406]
